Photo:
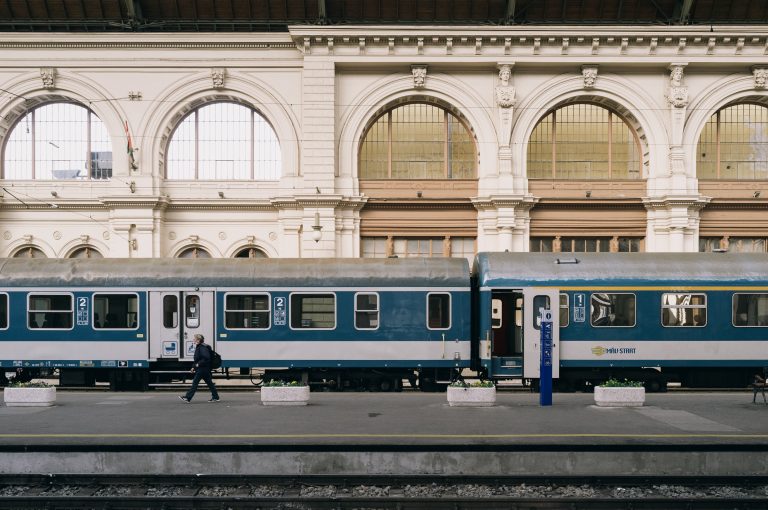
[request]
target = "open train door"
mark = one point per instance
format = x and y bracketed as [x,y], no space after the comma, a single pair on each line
[175,318]
[535,298]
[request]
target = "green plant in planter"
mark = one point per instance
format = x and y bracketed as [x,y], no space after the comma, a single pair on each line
[625,383]
[30,384]
[477,384]
[280,383]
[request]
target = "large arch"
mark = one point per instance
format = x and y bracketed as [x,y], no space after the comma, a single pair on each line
[195,91]
[390,91]
[729,90]
[28,93]
[618,94]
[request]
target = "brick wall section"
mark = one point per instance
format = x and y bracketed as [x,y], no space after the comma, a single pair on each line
[318,114]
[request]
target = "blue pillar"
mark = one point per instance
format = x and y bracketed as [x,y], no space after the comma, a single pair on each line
[545,370]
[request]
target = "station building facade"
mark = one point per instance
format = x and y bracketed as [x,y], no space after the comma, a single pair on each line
[375,141]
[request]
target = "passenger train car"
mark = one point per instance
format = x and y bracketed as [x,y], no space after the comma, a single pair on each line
[697,318]
[700,319]
[337,322]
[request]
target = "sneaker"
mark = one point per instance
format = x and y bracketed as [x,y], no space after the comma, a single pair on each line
[185,399]
[214,400]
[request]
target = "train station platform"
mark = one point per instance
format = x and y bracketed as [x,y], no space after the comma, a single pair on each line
[680,434]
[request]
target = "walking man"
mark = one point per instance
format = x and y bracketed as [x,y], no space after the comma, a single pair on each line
[202,370]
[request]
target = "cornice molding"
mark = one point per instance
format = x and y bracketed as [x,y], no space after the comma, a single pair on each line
[494,202]
[419,204]
[654,43]
[319,202]
[694,202]
[148,41]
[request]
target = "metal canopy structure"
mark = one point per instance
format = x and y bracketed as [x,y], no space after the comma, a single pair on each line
[277,15]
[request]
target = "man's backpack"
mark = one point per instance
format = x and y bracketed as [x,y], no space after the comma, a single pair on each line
[215,359]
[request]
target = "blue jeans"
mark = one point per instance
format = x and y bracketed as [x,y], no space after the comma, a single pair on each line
[205,375]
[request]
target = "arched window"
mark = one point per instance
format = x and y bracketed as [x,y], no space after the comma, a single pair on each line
[224,141]
[734,144]
[583,141]
[29,252]
[418,141]
[58,141]
[194,252]
[86,252]
[250,253]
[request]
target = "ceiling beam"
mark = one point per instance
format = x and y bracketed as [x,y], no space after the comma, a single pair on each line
[685,12]
[511,4]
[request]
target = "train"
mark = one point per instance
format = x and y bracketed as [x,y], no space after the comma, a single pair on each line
[699,319]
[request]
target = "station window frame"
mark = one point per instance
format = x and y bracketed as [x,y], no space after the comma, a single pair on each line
[449,311]
[694,307]
[268,310]
[634,309]
[71,310]
[377,310]
[93,310]
[291,306]
[7,315]
[733,309]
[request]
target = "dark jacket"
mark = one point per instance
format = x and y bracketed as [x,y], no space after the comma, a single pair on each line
[203,356]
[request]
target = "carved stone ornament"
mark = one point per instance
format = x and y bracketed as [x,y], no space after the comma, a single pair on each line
[590,76]
[761,77]
[48,75]
[419,73]
[677,96]
[505,93]
[217,76]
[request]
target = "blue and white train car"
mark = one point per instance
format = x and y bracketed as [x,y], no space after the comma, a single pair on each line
[337,322]
[697,318]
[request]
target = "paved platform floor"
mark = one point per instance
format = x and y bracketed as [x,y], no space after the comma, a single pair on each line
[416,419]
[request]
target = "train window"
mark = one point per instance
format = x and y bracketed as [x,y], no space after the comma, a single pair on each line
[49,311]
[313,311]
[170,312]
[496,313]
[539,302]
[3,311]
[366,311]
[438,311]
[750,310]
[565,311]
[612,310]
[246,311]
[115,311]
[683,310]
[192,314]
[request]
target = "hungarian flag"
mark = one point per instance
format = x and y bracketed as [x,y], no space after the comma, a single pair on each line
[130,149]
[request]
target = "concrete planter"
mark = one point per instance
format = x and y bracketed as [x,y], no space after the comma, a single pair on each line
[620,396]
[284,395]
[29,397]
[459,396]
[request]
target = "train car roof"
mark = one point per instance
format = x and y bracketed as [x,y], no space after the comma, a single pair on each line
[338,272]
[509,269]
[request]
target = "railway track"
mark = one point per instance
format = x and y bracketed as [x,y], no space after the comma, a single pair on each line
[379,492]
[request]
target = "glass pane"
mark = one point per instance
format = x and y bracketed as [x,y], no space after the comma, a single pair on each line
[750,309]
[192,311]
[740,132]
[683,309]
[313,311]
[50,312]
[170,312]
[58,141]
[439,311]
[246,311]
[115,311]
[612,310]
[564,311]
[3,311]
[224,141]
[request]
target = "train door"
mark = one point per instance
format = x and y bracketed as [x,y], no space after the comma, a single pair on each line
[507,333]
[533,300]
[175,318]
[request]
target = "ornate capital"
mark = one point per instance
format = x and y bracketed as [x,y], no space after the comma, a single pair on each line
[48,75]
[217,77]
[589,73]
[419,72]
[761,77]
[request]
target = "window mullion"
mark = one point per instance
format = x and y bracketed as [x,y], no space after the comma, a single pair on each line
[389,145]
[717,138]
[554,144]
[197,145]
[610,145]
